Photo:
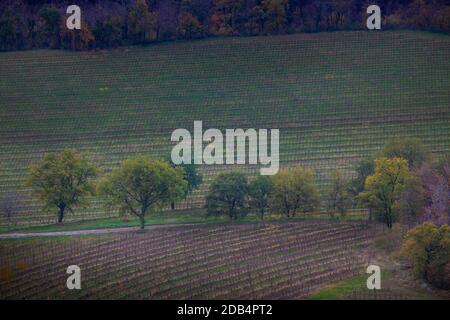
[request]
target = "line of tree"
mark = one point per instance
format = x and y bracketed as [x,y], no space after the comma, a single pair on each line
[139,186]
[403,182]
[28,24]
[290,191]
[400,183]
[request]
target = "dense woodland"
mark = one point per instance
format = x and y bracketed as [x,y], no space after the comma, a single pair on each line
[30,24]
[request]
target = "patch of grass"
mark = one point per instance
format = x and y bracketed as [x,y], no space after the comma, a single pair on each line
[390,241]
[190,217]
[170,218]
[341,289]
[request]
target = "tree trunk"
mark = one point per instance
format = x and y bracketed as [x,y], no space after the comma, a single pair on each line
[172,205]
[389,218]
[142,219]
[61,213]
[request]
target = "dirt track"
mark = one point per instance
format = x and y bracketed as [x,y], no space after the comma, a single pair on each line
[84,232]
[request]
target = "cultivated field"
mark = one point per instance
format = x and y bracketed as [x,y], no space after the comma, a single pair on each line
[336,97]
[243,261]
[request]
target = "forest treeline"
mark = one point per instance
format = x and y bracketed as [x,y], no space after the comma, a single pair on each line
[31,24]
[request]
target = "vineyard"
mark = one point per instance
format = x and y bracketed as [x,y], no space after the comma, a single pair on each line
[241,261]
[336,97]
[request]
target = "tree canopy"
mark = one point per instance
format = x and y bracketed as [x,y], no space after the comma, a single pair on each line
[294,191]
[140,21]
[141,185]
[228,194]
[384,187]
[428,248]
[339,200]
[412,150]
[62,181]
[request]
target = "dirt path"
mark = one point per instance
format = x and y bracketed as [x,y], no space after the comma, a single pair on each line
[85,232]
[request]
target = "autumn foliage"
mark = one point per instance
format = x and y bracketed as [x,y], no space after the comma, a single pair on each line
[427,247]
[25,26]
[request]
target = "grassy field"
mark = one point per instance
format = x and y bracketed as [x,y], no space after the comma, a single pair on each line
[336,97]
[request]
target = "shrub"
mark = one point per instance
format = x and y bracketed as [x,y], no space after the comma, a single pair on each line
[228,194]
[427,247]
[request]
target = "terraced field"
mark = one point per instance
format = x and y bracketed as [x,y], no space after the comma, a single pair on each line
[336,97]
[246,261]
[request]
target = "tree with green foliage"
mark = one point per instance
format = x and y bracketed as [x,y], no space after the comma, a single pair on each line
[339,199]
[49,26]
[412,201]
[294,190]
[191,175]
[141,186]
[142,24]
[259,192]
[384,187]
[427,247]
[412,150]
[364,168]
[62,181]
[228,195]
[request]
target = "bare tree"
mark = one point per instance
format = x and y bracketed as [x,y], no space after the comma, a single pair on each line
[10,205]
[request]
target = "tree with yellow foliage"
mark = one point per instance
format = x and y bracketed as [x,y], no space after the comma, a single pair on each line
[384,187]
[294,191]
[427,247]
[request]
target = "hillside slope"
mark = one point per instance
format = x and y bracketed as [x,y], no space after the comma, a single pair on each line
[263,261]
[336,97]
